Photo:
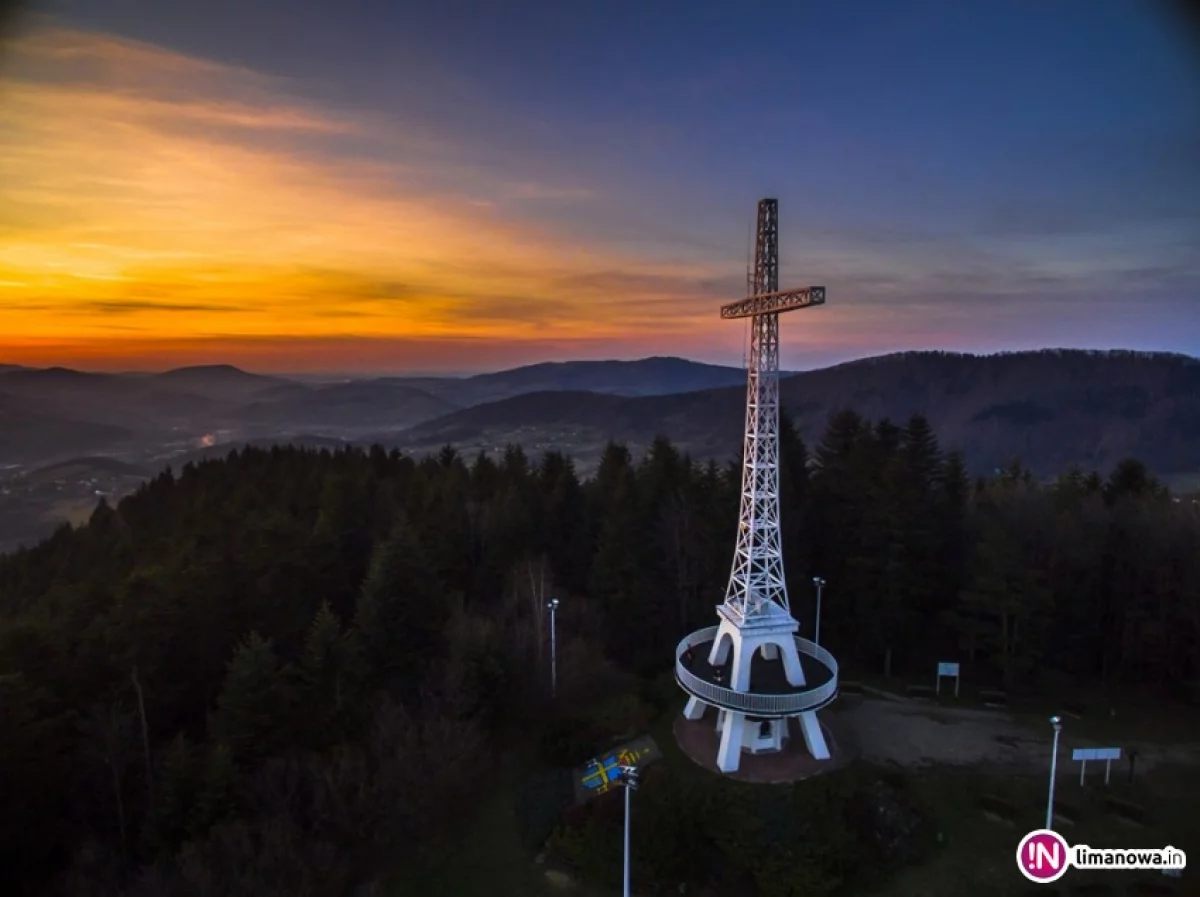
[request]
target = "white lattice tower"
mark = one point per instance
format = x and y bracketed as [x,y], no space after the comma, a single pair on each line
[757,576]
[755,617]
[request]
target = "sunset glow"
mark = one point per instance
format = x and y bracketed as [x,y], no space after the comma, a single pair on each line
[140,220]
[160,208]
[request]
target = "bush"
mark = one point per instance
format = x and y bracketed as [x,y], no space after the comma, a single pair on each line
[706,831]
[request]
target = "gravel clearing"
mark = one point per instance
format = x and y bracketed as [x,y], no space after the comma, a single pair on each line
[900,732]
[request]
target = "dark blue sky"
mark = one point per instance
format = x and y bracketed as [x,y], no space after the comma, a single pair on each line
[989,174]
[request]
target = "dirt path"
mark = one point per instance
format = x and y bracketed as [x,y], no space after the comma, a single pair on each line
[908,733]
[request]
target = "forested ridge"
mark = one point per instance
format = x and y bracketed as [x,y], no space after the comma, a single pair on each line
[270,673]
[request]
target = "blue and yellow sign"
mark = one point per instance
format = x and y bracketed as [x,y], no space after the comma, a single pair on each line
[603,773]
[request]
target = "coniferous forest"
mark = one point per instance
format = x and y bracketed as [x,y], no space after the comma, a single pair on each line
[277,672]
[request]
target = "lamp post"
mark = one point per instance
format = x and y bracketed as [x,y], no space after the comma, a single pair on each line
[552,606]
[820,584]
[629,778]
[1056,722]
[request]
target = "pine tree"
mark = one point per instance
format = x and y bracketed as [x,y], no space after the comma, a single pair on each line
[402,610]
[252,715]
[327,681]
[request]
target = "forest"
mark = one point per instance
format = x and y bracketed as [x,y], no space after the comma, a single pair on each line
[275,672]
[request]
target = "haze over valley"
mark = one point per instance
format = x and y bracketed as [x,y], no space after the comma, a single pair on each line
[69,438]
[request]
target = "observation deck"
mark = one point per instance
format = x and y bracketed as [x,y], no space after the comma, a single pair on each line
[773,696]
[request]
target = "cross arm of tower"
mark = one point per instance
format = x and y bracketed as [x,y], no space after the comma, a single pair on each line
[767,303]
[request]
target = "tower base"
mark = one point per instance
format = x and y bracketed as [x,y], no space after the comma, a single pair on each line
[794,762]
[741,733]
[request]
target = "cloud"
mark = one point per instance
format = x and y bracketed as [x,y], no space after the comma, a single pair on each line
[137,183]
[151,201]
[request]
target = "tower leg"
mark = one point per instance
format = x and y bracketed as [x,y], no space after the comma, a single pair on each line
[743,654]
[693,709]
[720,649]
[729,754]
[814,738]
[792,668]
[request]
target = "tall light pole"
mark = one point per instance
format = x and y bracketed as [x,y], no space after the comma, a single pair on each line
[1056,722]
[629,778]
[552,606]
[820,584]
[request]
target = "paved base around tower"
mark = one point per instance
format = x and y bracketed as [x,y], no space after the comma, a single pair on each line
[699,740]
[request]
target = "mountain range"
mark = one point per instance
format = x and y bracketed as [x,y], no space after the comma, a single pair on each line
[1050,408]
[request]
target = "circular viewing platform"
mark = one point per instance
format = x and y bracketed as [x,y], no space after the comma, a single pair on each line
[773,696]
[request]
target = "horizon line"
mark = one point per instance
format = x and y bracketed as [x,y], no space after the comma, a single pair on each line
[378,374]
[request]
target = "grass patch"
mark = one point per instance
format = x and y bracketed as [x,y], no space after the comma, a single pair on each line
[483,858]
[1115,719]
[993,698]
[1093,889]
[75,511]
[976,856]
[1000,807]
[1066,813]
[1152,889]
[1126,810]
[968,853]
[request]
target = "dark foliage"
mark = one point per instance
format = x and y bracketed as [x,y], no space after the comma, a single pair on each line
[263,674]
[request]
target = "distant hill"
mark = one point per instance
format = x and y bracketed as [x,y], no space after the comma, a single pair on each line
[357,404]
[645,377]
[1050,408]
[196,401]
[27,437]
[216,381]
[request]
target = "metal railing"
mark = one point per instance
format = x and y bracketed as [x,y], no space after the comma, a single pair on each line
[757,704]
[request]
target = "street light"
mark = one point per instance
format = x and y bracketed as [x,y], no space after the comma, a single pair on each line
[820,584]
[629,778]
[1056,722]
[552,606]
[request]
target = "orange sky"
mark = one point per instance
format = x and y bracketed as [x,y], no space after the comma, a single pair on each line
[155,212]
[159,209]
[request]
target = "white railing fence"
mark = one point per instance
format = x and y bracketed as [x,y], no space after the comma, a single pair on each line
[749,702]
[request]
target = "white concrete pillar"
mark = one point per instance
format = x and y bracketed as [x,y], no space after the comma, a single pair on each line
[694,708]
[729,754]
[791,664]
[814,738]
[743,654]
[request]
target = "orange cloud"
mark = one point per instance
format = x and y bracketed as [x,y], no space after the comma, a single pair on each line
[149,198]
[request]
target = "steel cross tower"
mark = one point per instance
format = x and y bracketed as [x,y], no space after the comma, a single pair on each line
[752,666]
[757,580]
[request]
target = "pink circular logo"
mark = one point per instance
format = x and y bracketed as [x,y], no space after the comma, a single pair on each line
[1043,856]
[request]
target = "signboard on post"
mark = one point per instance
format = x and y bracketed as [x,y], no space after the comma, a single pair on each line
[1083,755]
[946,669]
[601,774]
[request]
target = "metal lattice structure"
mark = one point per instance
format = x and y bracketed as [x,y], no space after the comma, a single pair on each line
[757,581]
